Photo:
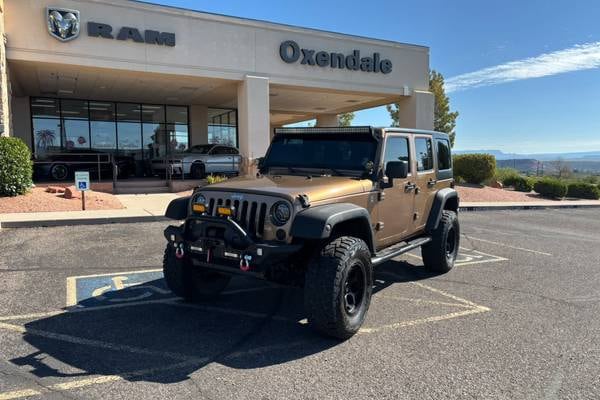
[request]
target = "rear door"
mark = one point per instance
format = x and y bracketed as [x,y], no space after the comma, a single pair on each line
[395,211]
[425,179]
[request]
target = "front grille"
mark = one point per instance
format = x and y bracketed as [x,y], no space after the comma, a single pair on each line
[250,215]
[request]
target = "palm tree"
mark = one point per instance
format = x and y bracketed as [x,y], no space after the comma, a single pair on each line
[45,138]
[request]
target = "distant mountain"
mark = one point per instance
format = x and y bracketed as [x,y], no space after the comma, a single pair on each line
[500,155]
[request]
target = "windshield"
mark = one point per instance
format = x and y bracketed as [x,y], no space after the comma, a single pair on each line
[200,149]
[322,151]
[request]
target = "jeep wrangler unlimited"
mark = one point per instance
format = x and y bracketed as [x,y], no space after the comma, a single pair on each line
[327,205]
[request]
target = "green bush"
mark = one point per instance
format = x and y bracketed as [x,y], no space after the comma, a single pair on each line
[506,176]
[15,167]
[474,168]
[212,179]
[583,190]
[523,184]
[551,188]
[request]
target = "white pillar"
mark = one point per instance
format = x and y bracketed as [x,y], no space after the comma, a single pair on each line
[198,124]
[416,111]
[327,120]
[253,117]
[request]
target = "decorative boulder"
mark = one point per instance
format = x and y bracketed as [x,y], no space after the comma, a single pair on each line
[497,185]
[72,193]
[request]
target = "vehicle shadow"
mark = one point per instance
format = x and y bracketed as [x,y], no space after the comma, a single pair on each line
[252,325]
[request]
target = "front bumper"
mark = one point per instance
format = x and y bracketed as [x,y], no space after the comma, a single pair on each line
[221,244]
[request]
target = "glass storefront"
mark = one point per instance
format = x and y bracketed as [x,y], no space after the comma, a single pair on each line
[140,131]
[222,126]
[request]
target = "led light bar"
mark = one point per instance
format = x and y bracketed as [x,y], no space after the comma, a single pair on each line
[316,129]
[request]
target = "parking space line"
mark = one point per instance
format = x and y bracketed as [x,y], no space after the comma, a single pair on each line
[509,246]
[422,301]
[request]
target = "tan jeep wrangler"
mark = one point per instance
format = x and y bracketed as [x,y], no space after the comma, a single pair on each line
[327,206]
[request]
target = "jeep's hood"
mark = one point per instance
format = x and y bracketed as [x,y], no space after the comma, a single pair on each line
[316,188]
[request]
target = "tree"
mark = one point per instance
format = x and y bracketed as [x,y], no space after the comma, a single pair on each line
[561,168]
[346,119]
[443,119]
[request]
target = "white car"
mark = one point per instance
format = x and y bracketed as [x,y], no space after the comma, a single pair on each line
[201,160]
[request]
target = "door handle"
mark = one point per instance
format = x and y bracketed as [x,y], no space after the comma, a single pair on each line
[409,187]
[431,182]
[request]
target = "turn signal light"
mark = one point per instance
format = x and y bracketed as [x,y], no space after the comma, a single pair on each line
[224,211]
[199,208]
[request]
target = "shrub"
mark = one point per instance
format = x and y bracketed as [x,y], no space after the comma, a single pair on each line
[210,179]
[523,184]
[474,168]
[15,167]
[506,176]
[551,188]
[583,190]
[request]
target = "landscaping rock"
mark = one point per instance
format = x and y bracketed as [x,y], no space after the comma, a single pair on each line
[55,189]
[72,193]
[497,185]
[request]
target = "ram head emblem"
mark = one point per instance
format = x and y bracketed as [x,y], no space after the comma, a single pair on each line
[63,24]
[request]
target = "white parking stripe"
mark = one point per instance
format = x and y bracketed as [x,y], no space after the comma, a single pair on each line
[508,245]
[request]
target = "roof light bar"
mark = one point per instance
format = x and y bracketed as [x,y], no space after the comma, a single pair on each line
[316,129]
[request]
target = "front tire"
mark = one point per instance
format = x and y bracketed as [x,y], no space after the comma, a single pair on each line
[59,172]
[440,254]
[188,283]
[338,287]
[198,171]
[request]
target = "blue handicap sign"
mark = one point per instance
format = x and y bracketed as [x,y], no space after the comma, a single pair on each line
[117,288]
[82,185]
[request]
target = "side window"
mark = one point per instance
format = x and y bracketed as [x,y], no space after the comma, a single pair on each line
[443,153]
[219,150]
[396,149]
[232,150]
[424,154]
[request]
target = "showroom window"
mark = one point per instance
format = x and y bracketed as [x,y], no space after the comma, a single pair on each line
[222,126]
[143,131]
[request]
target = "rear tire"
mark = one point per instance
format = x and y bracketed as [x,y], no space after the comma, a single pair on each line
[440,254]
[338,287]
[188,283]
[59,172]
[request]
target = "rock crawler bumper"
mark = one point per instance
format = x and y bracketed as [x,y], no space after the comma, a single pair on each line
[221,244]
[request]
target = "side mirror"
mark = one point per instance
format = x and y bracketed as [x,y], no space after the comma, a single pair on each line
[261,163]
[396,169]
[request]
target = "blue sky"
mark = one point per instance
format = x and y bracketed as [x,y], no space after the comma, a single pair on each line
[534,83]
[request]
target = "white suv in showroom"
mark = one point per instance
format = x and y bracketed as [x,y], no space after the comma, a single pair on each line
[201,160]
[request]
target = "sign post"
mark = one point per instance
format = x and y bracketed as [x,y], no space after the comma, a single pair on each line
[82,183]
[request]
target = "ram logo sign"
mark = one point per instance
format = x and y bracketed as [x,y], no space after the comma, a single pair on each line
[63,24]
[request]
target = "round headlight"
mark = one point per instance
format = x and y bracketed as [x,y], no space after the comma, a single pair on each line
[200,199]
[280,213]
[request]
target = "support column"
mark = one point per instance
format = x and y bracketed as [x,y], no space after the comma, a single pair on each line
[4,90]
[416,111]
[328,120]
[198,125]
[253,119]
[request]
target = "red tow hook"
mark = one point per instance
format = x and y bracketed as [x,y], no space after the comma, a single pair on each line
[245,263]
[179,253]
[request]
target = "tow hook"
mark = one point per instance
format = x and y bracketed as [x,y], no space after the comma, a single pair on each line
[179,253]
[245,263]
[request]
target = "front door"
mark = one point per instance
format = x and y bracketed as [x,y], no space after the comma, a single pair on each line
[425,180]
[395,210]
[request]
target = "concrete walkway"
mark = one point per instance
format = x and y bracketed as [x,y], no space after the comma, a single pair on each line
[151,207]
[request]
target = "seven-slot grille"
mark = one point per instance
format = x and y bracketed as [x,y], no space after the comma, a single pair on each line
[249,214]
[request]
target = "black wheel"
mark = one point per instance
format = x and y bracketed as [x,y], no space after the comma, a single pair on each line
[338,287]
[59,172]
[197,171]
[191,284]
[440,254]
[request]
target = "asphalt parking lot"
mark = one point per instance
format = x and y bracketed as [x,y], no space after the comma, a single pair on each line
[84,313]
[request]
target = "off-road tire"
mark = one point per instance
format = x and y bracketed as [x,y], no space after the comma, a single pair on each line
[440,254]
[188,283]
[176,274]
[325,283]
[197,171]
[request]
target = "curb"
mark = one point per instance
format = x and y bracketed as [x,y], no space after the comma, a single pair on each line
[81,221]
[527,207]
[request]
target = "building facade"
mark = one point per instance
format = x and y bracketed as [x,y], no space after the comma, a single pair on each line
[137,78]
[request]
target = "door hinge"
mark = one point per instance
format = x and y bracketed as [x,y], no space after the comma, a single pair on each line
[379,226]
[381,196]
[415,216]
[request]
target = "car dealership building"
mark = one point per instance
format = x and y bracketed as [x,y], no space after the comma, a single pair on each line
[110,75]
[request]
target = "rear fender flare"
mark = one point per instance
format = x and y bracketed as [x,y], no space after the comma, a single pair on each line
[445,199]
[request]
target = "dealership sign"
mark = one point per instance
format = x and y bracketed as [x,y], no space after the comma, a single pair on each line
[64,25]
[290,52]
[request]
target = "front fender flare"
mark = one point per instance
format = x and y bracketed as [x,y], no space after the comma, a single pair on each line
[178,208]
[319,222]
